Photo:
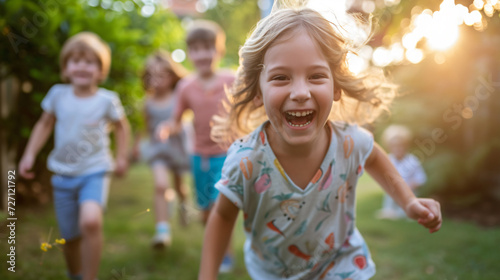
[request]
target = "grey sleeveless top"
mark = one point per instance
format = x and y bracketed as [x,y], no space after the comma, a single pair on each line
[172,152]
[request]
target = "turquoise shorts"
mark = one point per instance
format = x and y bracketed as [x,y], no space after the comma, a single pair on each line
[206,172]
[70,192]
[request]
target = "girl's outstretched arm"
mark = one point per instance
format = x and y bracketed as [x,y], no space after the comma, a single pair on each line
[426,211]
[217,235]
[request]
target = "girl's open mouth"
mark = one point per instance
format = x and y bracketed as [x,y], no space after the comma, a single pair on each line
[299,118]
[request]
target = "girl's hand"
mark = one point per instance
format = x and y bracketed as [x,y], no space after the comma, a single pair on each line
[163,130]
[427,212]
[166,129]
[25,165]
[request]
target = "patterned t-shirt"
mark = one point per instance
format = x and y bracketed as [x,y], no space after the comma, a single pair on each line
[295,233]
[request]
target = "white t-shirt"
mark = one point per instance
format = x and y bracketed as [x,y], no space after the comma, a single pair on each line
[294,233]
[410,169]
[81,134]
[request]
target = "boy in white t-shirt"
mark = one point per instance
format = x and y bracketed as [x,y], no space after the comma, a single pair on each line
[81,160]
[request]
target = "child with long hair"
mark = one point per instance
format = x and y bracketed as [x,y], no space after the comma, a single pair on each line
[168,157]
[295,175]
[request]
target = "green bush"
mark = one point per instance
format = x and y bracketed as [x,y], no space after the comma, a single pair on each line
[33,33]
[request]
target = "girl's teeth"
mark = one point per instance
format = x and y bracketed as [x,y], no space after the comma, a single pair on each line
[299,125]
[300,114]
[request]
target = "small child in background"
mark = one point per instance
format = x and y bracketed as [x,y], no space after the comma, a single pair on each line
[81,159]
[203,93]
[160,77]
[294,176]
[397,139]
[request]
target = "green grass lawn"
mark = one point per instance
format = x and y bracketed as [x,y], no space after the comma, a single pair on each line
[400,249]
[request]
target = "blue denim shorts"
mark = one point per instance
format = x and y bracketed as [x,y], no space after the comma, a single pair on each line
[206,172]
[70,192]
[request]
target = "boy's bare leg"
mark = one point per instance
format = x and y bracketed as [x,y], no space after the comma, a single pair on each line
[178,187]
[204,215]
[73,256]
[92,239]
[181,193]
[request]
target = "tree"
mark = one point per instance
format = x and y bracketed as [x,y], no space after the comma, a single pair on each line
[451,100]
[32,35]
[237,18]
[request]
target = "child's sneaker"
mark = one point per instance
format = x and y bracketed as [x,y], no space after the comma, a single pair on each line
[183,215]
[162,237]
[162,240]
[227,264]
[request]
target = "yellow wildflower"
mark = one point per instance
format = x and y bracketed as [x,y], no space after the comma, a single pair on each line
[45,246]
[61,241]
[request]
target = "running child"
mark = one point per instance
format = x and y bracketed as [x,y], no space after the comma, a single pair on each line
[397,139]
[203,93]
[80,113]
[294,176]
[168,158]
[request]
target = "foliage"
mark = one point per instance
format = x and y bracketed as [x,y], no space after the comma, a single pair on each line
[33,33]
[459,98]
[237,18]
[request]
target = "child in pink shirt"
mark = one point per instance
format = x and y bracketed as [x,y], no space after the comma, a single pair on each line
[203,93]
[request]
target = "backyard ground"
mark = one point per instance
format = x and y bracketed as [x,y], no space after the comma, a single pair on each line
[401,249]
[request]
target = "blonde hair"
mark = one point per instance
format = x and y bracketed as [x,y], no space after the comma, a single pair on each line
[163,59]
[82,43]
[209,32]
[363,98]
[396,132]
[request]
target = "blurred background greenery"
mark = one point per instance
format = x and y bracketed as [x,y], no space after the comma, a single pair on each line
[450,98]
[443,55]
[33,33]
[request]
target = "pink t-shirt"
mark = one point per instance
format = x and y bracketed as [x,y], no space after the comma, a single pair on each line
[205,103]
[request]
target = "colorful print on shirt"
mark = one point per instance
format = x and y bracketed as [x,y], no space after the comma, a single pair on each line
[296,233]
